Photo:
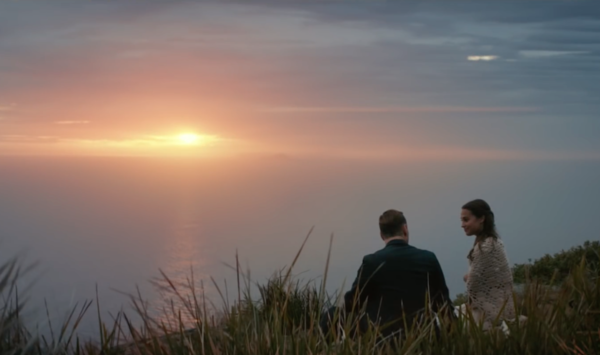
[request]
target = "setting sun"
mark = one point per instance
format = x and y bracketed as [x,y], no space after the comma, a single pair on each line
[188,138]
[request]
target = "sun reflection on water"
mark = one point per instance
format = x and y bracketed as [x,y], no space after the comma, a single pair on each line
[183,289]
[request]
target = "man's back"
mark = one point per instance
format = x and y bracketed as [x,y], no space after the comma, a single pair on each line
[397,278]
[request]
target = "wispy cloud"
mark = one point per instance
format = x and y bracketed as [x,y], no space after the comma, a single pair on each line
[71,122]
[367,109]
[19,138]
[10,107]
[457,153]
[134,146]
[6,110]
[485,58]
[202,140]
[545,54]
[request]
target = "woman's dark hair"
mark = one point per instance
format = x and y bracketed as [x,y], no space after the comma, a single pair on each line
[479,208]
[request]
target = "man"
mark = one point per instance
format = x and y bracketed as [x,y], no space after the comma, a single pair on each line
[395,283]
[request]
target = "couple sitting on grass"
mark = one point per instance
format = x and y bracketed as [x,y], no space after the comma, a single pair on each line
[398,284]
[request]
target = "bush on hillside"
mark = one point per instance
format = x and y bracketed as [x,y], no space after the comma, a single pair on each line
[556,268]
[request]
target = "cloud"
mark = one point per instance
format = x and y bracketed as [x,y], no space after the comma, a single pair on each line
[545,54]
[166,146]
[6,111]
[315,68]
[515,13]
[71,122]
[485,58]
[20,138]
[454,153]
[203,140]
[5,108]
[433,109]
[154,146]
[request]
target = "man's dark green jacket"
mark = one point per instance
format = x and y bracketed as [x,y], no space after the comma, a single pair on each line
[397,279]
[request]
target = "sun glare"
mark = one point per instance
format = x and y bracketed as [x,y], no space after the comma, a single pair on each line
[188,138]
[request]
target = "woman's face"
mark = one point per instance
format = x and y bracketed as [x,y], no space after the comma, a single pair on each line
[471,224]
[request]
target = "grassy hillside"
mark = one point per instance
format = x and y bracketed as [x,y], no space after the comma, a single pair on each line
[284,320]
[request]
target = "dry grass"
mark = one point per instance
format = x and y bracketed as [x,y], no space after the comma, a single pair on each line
[284,320]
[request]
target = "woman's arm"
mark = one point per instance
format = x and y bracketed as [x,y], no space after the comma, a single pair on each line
[481,266]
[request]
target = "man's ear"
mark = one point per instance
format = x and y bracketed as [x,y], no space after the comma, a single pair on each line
[405,230]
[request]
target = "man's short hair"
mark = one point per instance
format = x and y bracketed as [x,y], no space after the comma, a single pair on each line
[391,222]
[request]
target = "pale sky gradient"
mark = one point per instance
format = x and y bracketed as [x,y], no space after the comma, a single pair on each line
[421,80]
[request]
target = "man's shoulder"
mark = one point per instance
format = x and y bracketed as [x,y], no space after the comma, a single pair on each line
[407,250]
[375,257]
[421,254]
[426,252]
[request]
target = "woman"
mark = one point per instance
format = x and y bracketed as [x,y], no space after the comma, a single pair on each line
[489,279]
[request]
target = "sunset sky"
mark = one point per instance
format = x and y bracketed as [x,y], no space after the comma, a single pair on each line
[414,80]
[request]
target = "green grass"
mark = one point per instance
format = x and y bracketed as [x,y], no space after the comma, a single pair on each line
[284,320]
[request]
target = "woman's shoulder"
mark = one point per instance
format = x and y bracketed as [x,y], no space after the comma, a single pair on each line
[493,241]
[490,244]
